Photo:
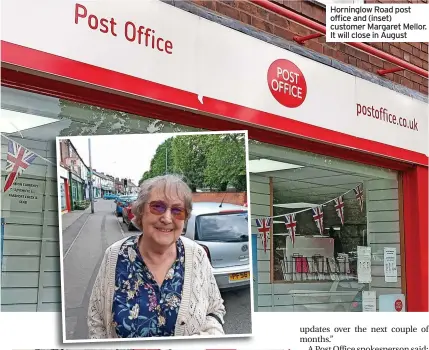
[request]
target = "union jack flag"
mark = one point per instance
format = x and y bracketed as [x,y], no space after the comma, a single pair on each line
[290,223]
[359,195]
[339,207]
[264,226]
[318,218]
[18,159]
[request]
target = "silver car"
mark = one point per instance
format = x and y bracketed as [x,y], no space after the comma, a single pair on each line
[223,232]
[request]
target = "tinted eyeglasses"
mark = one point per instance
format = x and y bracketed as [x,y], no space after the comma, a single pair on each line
[160,207]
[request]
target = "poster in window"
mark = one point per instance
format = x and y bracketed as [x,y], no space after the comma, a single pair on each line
[391,303]
[26,195]
[364,264]
[390,270]
[369,301]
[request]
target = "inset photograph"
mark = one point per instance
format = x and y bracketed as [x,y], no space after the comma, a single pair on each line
[154,236]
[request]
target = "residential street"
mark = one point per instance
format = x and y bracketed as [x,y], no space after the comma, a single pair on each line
[84,243]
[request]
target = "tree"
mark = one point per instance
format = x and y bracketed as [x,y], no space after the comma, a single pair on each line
[146,175]
[189,159]
[214,161]
[226,161]
[162,161]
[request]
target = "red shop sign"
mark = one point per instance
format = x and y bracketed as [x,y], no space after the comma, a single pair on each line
[287,83]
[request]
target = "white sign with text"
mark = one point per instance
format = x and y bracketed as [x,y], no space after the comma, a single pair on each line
[377,23]
[390,269]
[157,42]
[369,301]
[364,264]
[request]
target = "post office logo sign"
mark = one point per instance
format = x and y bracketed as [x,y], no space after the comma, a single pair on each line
[287,83]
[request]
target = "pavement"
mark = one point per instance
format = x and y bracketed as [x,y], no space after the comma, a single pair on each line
[69,218]
[84,243]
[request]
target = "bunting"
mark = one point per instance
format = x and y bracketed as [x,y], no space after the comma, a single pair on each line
[318,218]
[358,190]
[339,207]
[264,226]
[290,223]
[18,159]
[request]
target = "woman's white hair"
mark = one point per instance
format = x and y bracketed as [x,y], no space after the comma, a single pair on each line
[169,183]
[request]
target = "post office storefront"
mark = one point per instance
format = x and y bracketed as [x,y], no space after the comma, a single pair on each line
[338,163]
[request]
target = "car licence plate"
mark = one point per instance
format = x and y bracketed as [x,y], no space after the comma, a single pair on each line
[238,277]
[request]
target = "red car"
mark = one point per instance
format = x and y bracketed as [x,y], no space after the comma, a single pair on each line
[127,216]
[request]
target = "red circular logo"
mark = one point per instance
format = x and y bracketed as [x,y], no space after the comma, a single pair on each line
[398,305]
[287,83]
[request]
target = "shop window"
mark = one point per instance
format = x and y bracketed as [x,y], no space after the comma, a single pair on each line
[30,264]
[281,182]
[325,244]
[321,210]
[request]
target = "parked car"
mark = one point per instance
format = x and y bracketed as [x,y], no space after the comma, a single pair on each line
[127,215]
[223,232]
[110,196]
[122,201]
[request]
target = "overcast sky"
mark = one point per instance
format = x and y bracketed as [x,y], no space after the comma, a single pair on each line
[123,156]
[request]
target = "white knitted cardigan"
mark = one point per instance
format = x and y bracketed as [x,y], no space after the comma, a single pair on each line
[200,296]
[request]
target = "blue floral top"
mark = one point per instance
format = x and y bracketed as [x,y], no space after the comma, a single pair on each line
[140,307]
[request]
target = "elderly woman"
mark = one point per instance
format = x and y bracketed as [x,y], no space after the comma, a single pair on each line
[156,284]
